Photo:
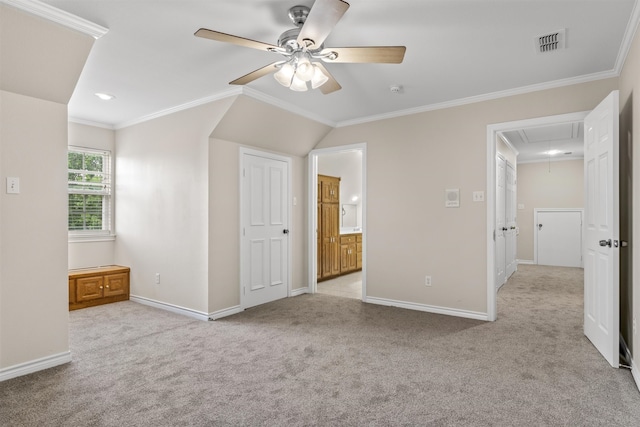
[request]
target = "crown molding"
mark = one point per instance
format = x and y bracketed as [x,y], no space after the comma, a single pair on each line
[480,98]
[91,123]
[285,106]
[56,15]
[627,40]
[235,91]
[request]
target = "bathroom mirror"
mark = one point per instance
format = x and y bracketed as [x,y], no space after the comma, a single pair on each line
[349,215]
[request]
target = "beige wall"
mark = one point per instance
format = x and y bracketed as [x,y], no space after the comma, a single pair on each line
[629,83]
[411,161]
[177,201]
[546,185]
[34,310]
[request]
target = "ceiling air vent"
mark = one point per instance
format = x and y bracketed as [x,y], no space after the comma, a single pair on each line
[550,42]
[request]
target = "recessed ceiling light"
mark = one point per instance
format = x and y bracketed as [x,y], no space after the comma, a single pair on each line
[552,152]
[104,96]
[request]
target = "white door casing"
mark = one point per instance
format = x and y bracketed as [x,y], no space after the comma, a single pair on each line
[500,220]
[510,221]
[601,224]
[265,212]
[558,237]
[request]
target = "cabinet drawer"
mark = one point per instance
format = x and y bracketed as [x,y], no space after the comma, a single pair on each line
[116,284]
[89,288]
[347,239]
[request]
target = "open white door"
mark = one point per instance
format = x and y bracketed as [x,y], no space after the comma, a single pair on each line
[501,223]
[601,261]
[265,227]
[510,236]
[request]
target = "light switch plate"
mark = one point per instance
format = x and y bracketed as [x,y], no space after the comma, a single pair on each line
[13,185]
[478,196]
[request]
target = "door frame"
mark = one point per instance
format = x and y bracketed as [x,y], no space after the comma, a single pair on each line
[535,232]
[272,156]
[312,260]
[492,132]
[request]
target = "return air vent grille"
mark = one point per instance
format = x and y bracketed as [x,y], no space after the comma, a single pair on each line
[550,42]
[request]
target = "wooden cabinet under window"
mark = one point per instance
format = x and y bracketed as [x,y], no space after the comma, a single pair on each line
[95,286]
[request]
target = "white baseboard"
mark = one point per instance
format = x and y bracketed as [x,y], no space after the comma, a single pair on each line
[35,365]
[428,308]
[219,314]
[170,307]
[525,261]
[299,291]
[635,372]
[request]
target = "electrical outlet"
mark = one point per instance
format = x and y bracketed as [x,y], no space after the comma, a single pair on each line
[427,280]
[157,278]
[13,185]
[478,196]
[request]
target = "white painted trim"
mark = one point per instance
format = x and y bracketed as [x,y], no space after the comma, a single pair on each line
[35,365]
[492,132]
[312,238]
[552,160]
[299,291]
[246,90]
[195,314]
[635,372]
[629,35]
[428,308]
[91,123]
[234,91]
[536,211]
[289,162]
[481,98]
[219,314]
[58,16]
[525,261]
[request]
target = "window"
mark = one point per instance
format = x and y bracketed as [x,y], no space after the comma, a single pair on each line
[89,185]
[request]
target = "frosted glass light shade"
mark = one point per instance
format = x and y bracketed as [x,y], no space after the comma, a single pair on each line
[304,70]
[298,85]
[319,78]
[285,75]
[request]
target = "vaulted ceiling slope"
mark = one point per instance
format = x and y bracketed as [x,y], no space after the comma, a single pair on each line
[457,51]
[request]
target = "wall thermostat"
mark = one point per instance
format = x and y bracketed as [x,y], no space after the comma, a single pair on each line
[452,198]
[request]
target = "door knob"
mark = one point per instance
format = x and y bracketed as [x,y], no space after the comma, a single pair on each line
[285,231]
[605,242]
[539,227]
[504,228]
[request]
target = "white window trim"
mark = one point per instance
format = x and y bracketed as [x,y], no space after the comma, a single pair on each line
[96,235]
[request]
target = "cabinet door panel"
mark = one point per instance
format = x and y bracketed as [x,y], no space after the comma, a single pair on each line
[89,288]
[72,291]
[116,284]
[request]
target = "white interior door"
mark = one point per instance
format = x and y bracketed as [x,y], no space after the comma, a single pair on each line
[510,220]
[265,224]
[559,237]
[601,266]
[500,221]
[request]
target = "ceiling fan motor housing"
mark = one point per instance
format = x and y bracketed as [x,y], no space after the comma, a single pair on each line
[298,15]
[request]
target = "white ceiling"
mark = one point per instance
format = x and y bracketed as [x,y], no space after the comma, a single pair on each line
[564,141]
[456,50]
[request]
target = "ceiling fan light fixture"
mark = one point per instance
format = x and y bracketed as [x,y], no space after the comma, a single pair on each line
[304,69]
[319,78]
[285,74]
[298,85]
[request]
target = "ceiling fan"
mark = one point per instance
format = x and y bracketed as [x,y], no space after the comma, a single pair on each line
[302,45]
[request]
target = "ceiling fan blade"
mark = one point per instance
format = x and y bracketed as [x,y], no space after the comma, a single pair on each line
[324,15]
[330,85]
[228,38]
[248,78]
[369,54]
